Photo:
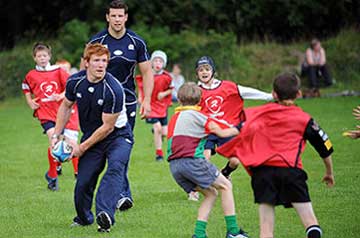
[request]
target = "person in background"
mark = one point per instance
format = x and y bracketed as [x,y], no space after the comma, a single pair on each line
[354,134]
[160,100]
[43,88]
[177,80]
[127,51]
[64,64]
[314,67]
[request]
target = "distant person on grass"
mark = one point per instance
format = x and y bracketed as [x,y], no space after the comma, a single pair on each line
[355,134]
[160,100]
[107,137]
[177,80]
[44,89]
[315,66]
[270,146]
[127,50]
[188,129]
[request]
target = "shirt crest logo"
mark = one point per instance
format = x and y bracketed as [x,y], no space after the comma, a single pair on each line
[131,47]
[214,103]
[49,88]
[78,95]
[118,52]
[100,102]
[91,89]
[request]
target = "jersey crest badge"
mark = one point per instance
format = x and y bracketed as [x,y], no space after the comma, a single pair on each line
[131,47]
[213,103]
[118,52]
[49,88]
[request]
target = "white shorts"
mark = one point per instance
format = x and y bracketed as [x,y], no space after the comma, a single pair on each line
[71,134]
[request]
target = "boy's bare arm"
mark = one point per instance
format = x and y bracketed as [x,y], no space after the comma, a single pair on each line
[228,132]
[31,101]
[163,94]
[329,174]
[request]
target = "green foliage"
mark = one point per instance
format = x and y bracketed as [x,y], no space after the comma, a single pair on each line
[161,210]
[251,64]
[343,54]
[72,39]
[187,46]
[14,65]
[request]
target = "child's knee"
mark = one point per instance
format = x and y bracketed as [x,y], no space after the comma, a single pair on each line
[164,130]
[225,184]
[210,192]
[234,162]
[157,128]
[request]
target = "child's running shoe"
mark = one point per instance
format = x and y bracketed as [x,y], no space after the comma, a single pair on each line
[59,169]
[193,196]
[53,184]
[239,234]
[159,158]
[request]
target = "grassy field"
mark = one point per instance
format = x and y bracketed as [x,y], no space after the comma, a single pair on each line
[161,208]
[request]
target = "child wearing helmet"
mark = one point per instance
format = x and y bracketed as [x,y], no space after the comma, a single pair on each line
[160,100]
[223,100]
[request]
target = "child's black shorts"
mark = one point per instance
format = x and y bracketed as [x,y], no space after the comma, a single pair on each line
[163,121]
[279,186]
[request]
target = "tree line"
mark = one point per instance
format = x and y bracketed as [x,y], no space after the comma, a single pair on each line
[279,20]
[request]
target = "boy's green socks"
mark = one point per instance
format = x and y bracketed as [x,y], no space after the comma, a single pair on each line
[200,229]
[231,224]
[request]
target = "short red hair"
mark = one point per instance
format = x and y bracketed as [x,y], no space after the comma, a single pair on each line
[96,49]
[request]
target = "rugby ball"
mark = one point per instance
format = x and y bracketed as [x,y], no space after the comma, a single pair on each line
[62,151]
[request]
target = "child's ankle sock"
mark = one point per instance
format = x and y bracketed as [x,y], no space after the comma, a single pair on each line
[313,232]
[231,224]
[200,229]
[227,170]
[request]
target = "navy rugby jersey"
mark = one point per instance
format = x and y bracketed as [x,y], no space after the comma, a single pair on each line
[93,99]
[126,53]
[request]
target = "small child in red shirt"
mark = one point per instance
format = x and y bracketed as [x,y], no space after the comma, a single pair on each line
[224,100]
[270,146]
[44,90]
[160,100]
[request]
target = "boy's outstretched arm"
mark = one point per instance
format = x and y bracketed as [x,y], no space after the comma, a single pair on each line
[255,94]
[329,174]
[228,132]
[322,144]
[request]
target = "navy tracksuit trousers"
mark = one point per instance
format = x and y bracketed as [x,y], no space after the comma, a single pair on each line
[116,151]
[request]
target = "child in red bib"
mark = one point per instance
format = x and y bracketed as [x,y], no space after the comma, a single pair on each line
[270,146]
[43,88]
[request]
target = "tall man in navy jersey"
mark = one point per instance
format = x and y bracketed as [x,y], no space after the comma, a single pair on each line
[127,51]
[107,137]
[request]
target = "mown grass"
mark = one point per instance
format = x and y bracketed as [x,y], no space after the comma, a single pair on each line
[28,209]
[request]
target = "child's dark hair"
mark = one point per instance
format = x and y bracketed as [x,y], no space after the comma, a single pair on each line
[41,46]
[117,4]
[286,86]
[189,94]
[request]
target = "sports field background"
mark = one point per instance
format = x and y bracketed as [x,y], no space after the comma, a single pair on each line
[28,209]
